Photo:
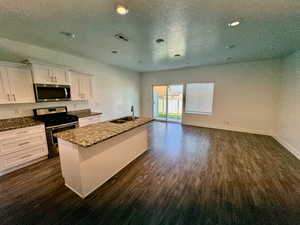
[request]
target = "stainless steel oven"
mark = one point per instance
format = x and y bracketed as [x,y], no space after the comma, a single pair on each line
[56,119]
[52,93]
[52,140]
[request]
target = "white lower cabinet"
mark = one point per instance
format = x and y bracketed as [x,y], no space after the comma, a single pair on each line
[20,147]
[89,120]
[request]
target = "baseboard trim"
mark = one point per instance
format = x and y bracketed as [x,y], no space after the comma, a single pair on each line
[289,147]
[230,128]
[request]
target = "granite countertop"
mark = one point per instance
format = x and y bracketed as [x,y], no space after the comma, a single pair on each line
[83,113]
[99,132]
[16,123]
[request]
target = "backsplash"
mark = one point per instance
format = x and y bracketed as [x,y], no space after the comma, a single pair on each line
[20,110]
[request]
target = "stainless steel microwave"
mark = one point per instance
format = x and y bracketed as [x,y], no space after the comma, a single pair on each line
[52,93]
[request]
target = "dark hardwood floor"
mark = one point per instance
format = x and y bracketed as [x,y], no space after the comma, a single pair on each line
[189,176]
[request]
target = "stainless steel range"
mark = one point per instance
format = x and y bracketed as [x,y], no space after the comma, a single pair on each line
[56,119]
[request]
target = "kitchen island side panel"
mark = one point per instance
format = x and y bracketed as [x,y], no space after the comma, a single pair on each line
[70,165]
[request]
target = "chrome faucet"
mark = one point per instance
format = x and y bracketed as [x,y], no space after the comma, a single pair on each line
[132,110]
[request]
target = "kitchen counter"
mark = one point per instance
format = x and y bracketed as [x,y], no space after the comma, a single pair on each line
[83,113]
[16,123]
[99,132]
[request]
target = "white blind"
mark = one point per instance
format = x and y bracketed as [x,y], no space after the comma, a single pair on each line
[199,98]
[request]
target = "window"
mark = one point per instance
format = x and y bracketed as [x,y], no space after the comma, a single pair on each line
[199,98]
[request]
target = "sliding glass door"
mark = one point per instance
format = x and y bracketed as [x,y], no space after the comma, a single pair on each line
[174,103]
[160,102]
[167,102]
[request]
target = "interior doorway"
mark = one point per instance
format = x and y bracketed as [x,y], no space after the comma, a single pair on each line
[167,102]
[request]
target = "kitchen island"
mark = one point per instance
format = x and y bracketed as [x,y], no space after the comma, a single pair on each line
[93,154]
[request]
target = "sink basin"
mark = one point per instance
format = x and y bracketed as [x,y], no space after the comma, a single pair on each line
[123,119]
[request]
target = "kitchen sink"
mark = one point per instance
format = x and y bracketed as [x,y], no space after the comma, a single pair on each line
[123,119]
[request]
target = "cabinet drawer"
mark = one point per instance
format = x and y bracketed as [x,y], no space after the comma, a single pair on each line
[89,120]
[19,158]
[22,132]
[10,145]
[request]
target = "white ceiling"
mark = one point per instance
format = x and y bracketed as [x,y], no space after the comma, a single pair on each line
[196,29]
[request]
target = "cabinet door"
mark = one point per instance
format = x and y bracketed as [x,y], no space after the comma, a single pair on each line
[42,75]
[4,88]
[75,89]
[61,76]
[21,84]
[16,160]
[86,87]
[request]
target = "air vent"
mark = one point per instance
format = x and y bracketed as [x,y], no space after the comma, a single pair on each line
[121,37]
[68,34]
[230,46]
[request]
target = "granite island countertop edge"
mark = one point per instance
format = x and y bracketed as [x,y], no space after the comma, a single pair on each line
[96,133]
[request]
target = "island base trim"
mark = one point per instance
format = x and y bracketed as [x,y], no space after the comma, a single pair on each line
[76,192]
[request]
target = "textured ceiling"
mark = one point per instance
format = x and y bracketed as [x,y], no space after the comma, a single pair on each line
[196,29]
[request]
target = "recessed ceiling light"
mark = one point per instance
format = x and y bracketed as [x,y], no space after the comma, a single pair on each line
[160,40]
[122,9]
[68,34]
[177,55]
[114,52]
[234,23]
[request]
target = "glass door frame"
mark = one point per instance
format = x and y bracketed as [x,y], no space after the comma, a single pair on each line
[167,102]
[152,99]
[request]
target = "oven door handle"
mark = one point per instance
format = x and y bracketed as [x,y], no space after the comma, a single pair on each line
[63,125]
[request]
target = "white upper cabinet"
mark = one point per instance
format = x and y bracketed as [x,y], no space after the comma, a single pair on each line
[42,75]
[21,84]
[85,87]
[50,75]
[81,86]
[75,87]
[61,76]
[4,89]
[16,84]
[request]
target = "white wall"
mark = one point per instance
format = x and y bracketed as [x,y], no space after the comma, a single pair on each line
[245,99]
[115,89]
[288,127]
